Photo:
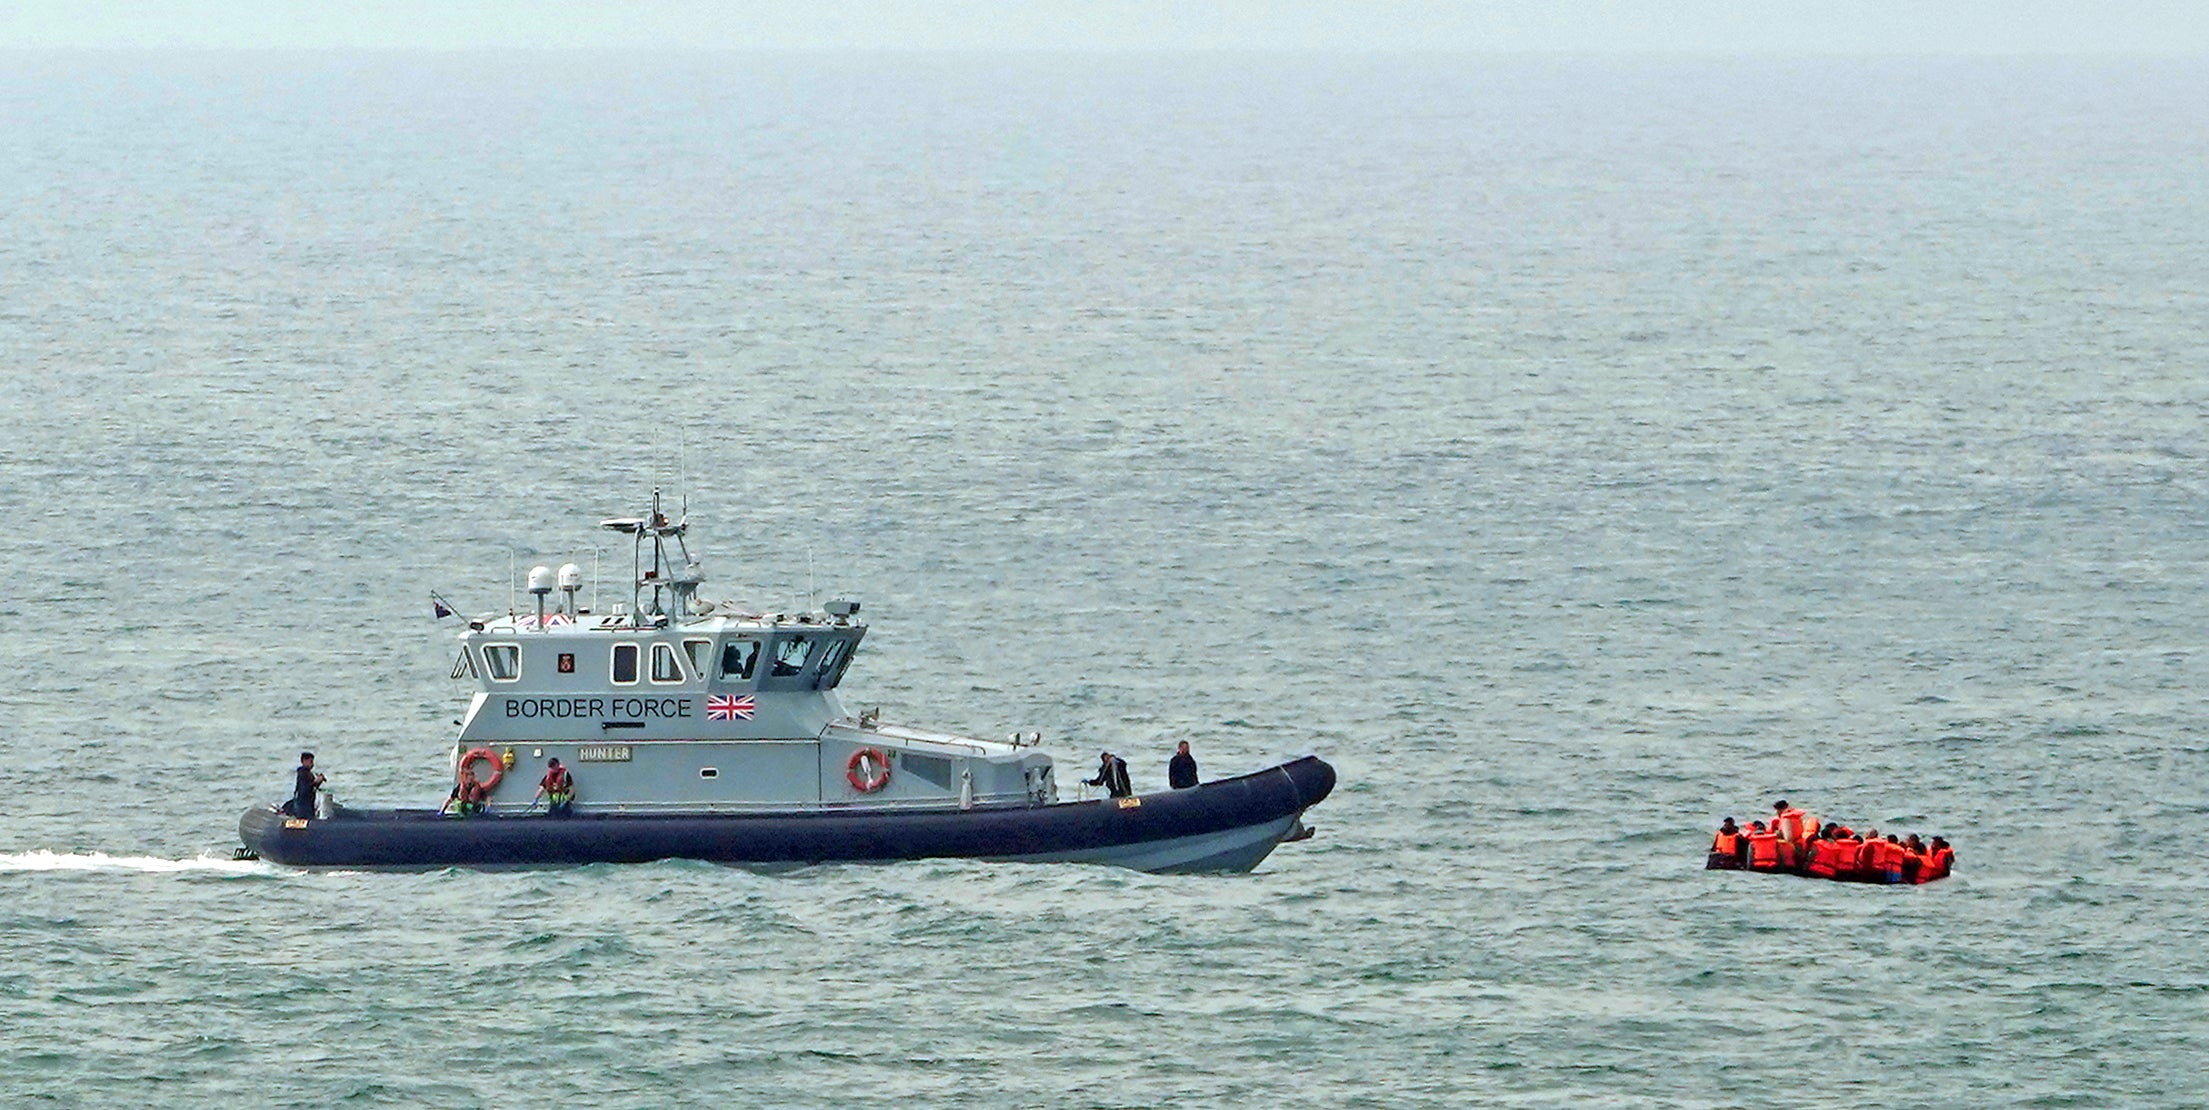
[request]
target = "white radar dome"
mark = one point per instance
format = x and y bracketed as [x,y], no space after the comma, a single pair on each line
[540,579]
[571,577]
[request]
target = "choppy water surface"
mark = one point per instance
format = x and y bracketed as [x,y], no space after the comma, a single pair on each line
[1573,452]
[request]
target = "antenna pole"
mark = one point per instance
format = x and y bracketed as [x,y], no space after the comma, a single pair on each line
[510,582]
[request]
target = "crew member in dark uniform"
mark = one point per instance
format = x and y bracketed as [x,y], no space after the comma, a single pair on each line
[1181,770]
[1112,774]
[304,784]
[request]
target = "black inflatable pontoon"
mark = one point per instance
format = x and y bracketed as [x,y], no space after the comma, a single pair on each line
[1224,826]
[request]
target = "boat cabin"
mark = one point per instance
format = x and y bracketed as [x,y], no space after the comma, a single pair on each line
[676,703]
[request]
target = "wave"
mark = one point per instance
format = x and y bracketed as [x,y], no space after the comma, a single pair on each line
[45,860]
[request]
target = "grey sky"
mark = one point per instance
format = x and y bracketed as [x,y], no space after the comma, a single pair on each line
[1720,26]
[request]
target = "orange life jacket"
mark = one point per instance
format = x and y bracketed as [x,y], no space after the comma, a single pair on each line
[1886,856]
[1726,843]
[1848,853]
[1764,851]
[1824,854]
[1789,823]
[1937,863]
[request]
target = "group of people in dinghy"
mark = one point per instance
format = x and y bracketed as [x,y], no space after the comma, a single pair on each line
[1795,843]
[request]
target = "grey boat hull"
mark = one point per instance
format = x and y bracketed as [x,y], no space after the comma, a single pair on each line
[1229,825]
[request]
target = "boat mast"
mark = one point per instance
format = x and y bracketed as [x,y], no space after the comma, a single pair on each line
[680,584]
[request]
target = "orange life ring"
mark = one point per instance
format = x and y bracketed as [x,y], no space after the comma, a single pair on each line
[488,756]
[873,780]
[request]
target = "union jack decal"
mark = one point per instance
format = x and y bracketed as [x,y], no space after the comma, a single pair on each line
[723,708]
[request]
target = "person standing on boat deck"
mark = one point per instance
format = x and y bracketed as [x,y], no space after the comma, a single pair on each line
[1788,822]
[305,781]
[1112,774]
[557,788]
[1181,770]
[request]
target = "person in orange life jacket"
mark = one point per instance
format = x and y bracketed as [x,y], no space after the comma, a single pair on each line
[1847,850]
[1913,858]
[1787,821]
[1817,856]
[1887,860]
[467,793]
[1763,847]
[1939,857]
[1728,850]
[305,781]
[557,788]
[1839,851]
[1867,858]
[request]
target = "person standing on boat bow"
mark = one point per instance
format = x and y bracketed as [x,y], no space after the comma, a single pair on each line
[305,782]
[557,788]
[1181,770]
[1112,774]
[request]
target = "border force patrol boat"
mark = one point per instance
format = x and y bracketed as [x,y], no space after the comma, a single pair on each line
[697,730]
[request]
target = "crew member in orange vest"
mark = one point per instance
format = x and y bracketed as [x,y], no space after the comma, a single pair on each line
[1728,850]
[1763,847]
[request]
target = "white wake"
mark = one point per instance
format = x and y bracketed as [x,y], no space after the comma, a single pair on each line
[44,860]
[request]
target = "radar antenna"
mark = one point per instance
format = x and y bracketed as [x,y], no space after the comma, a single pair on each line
[674,586]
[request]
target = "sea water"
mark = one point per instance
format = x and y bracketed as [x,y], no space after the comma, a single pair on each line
[1575,452]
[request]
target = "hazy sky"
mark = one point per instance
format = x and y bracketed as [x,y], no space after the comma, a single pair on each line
[1721,26]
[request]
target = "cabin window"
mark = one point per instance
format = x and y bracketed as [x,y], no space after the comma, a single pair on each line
[664,666]
[935,770]
[503,662]
[465,666]
[738,657]
[699,651]
[790,656]
[832,663]
[625,663]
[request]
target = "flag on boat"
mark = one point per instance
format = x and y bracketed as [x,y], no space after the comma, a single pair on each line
[439,609]
[723,708]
